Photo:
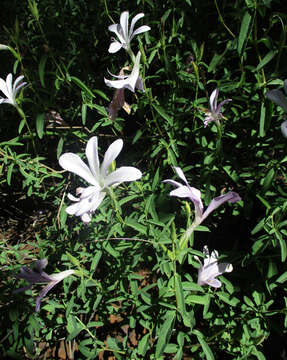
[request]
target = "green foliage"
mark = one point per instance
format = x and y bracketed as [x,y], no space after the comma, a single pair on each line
[134,294]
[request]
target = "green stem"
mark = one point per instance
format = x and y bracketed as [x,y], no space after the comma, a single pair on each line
[222,21]
[23,116]
[219,141]
[183,242]
[116,206]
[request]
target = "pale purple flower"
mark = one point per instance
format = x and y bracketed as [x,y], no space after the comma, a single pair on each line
[186,191]
[124,33]
[11,90]
[278,97]
[100,177]
[210,269]
[284,128]
[214,113]
[38,276]
[131,81]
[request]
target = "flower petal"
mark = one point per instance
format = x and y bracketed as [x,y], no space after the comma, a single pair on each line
[3,87]
[180,174]
[133,22]
[213,100]
[172,182]
[62,275]
[111,154]
[124,21]
[9,80]
[114,47]
[41,264]
[75,164]
[221,104]
[277,97]
[231,197]
[86,218]
[93,156]
[181,192]
[140,30]
[17,81]
[124,173]
[130,81]
[213,282]
[43,293]
[284,128]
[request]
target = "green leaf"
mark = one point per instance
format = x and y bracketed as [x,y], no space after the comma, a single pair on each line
[21,125]
[262,120]
[268,180]
[267,58]
[82,86]
[135,225]
[40,121]
[197,299]
[164,333]
[143,345]
[179,294]
[283,247]
[102,94]
[282,278]
[41,69]
[163,114]
[9,173]
[60,147]
[245,32]
[84,114]
[205,347]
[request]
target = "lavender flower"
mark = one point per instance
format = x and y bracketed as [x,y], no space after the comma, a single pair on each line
[186,191]
[39,277]
[215,110]
[278,98]
[210,269]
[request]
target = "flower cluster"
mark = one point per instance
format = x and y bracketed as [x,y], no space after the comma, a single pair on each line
[133,81]
[103,177]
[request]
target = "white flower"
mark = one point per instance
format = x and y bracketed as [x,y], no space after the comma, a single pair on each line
[124,34]
[129,82]
[99,177]
[9,90]
[210,269]
[40,277]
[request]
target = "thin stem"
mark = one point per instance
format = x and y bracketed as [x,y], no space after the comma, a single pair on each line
[222,21]
[185,237]
[107,11]
[116,205]
[23,116]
